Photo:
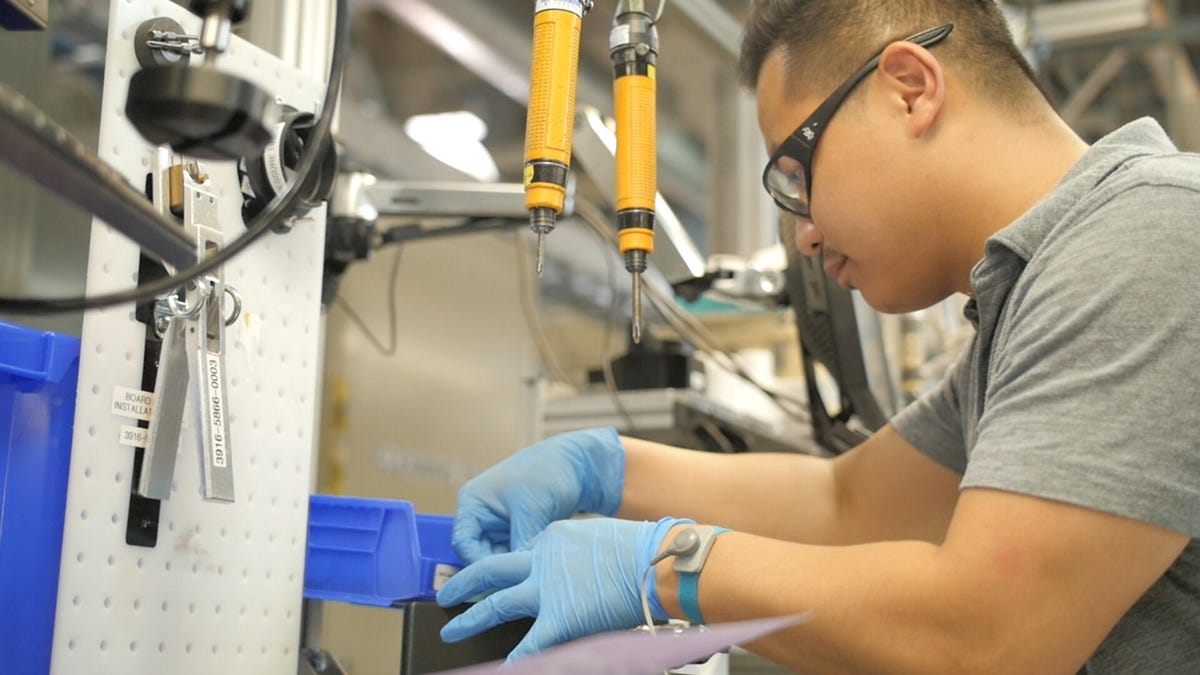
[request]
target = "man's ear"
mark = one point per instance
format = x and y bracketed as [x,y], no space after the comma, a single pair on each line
[913,78]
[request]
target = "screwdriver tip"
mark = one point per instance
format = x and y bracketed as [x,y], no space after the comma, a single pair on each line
[637,308]
[541,253]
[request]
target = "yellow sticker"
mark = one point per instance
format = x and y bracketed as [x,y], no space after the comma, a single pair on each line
[528,175]
[652,72]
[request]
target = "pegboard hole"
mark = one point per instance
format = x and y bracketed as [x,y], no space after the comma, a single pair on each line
[165,606]
[133,646]
[104,645]
[95,390]
[195,568]
[162,648]
[167,567]
[71,645]
[141,562]
[116,518]
[214,649]
[191,608]
[107,603]
[87,470]
[111,561]
[137,605]
[83,515]
[217,609]
[100,348]
[92,431]
[79,557]
[187,648]
[220,573]
[75,601]
[117,477]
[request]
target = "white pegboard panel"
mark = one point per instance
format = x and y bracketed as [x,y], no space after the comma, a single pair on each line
[221,592]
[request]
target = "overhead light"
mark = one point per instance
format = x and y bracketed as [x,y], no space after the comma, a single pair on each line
[456,140]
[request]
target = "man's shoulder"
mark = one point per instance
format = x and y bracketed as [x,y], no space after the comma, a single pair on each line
[1162,170]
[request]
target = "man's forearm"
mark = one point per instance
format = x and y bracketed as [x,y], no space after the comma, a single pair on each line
[736,491]
[880,608]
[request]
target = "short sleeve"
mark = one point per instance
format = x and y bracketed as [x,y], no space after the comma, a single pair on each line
[933,423]
[1094,394]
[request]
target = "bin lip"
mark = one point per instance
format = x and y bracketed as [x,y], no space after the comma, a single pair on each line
[36,355]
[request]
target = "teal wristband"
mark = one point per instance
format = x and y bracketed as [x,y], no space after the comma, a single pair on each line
[689,586]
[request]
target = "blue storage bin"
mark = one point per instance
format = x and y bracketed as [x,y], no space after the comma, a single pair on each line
[38,375]
[375,551]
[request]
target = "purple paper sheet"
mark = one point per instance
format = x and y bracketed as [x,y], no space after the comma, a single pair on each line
[638,652]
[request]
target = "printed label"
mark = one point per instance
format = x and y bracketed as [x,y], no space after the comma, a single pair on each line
[442,573]
[134,437]
[216,410]
[132,403]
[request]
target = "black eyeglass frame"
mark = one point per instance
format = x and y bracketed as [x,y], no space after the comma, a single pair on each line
[801,145]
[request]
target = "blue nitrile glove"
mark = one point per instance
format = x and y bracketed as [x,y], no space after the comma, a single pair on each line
[509,504]
[578,577]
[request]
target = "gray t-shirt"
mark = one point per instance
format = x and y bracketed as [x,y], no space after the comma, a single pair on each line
[1082,383]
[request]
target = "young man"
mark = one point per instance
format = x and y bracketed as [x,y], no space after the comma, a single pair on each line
[1037,511]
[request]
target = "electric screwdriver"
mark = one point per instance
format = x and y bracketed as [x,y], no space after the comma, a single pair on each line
[633,44]
[551,119]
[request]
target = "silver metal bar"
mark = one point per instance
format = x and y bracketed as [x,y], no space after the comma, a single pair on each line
[450,199]
[206,356]
[38,147]
[166,420]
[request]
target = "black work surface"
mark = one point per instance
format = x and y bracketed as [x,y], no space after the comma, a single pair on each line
[422,649]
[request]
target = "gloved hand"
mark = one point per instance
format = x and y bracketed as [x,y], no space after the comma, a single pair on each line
[509,504]
[578,577]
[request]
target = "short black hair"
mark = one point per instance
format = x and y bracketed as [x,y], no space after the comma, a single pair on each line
[824,41]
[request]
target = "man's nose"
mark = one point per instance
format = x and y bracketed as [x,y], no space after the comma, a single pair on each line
[808,238]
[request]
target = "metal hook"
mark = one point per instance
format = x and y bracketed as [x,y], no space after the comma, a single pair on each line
[237,305]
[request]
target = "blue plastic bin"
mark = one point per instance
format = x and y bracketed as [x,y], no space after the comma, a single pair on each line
[375,551]
[38,375]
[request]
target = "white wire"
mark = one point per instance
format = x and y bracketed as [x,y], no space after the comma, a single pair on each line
[662,4]
[646,599]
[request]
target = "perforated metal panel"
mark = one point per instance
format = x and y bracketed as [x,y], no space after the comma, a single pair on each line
[221,592]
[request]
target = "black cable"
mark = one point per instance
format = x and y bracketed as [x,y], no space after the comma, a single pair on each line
[279,208]
[393,313]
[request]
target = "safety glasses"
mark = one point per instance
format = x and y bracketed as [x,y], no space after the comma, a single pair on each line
[788,175]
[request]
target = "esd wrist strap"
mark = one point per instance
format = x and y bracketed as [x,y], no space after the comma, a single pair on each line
[688,568]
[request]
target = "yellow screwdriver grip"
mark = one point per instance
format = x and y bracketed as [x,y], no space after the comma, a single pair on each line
[637,163]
